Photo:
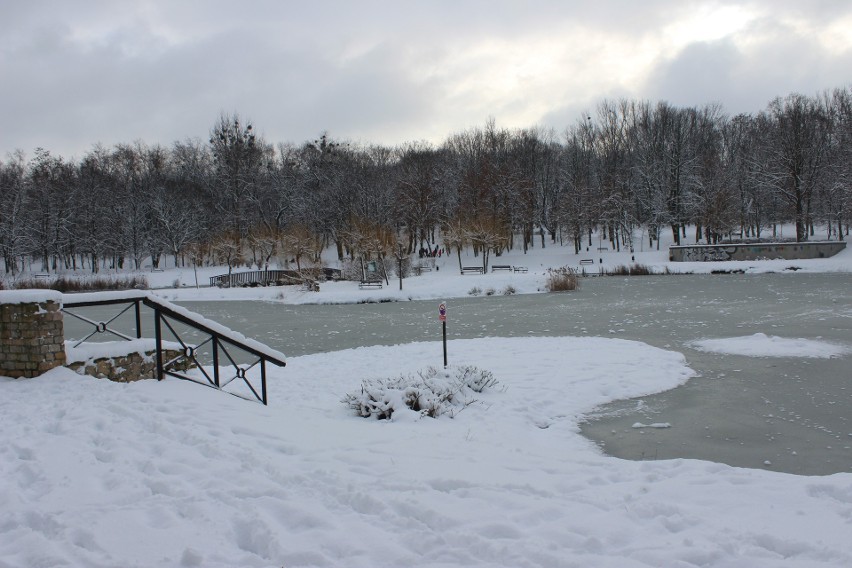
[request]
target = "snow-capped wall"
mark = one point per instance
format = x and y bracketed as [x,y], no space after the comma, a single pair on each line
[31,332]
[122,361]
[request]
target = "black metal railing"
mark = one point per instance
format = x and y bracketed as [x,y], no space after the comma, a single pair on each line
[133,301]
[219,344]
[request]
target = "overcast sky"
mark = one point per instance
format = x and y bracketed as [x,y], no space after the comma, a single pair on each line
[75,73]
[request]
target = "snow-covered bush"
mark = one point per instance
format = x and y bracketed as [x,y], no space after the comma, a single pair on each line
[490,291]
[508,290]
[430,392]
[475,291]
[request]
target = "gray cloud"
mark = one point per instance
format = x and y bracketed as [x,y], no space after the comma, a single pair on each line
[746,81]
[75,74]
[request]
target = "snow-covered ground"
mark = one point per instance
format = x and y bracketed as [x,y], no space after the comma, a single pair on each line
[179,284]
[101,474]
[174,474]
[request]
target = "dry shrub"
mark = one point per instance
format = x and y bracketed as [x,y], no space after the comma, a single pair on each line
[632,270]
[561,279]
[86,284]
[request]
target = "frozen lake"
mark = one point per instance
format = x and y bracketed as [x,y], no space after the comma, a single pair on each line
[787,414]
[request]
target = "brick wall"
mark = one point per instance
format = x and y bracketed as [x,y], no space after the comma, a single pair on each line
[31,333]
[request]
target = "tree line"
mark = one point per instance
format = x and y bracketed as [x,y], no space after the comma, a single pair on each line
[630,166]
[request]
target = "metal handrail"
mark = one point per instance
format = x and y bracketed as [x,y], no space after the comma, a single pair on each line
[219,337]
[103,326]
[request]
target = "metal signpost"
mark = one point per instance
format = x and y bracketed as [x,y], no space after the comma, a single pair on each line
[442,317]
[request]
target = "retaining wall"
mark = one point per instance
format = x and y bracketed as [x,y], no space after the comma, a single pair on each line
[126,366]
[755,251]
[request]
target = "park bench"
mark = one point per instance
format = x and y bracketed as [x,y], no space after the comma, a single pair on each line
[41,275]
[471,269]
[519,268]
[603,248]
[586,261]
[497,267]
[424,267]
[370,284]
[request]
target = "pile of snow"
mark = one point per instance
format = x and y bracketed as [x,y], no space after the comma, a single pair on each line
[762,345]
[173,474]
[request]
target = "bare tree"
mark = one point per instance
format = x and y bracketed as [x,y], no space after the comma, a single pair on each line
[177,220]
[454,235]
[226,249]
[797,149]
[14,238]
[264,243]
[419,194]
[51,198]
[240,157]
[487,235]
[837,189]
[299,241]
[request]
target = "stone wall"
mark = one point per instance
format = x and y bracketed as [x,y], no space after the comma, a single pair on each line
[31,333]
[128,368]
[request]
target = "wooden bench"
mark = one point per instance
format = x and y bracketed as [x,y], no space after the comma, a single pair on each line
[603,248]
[424,267]
[586,261]
[370,284]
[497,267]
[519,268]
[41,275]
[467,269]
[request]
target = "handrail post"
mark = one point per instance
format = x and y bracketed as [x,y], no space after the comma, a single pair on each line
[158,337]
[138,320]
[263,379]
[216,361]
